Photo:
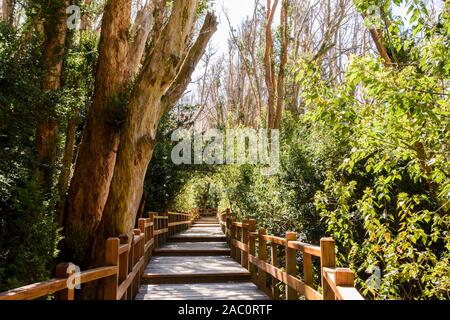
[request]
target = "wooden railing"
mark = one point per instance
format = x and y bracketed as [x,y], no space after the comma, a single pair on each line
[125,261]
[273,261]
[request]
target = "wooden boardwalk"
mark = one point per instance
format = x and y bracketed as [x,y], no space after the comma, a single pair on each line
[193,260]
[196,265]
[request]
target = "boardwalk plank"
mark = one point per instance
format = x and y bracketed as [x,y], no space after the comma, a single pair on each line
[193,249]
[206,291]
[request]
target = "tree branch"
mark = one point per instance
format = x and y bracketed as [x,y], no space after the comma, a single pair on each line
[183,78]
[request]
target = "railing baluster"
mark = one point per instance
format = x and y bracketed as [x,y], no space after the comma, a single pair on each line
[252,250]
[111,283]
[274,261]
[244,236]
[262,255]
[307,269]
[124,264]
[291,264]
[233,250]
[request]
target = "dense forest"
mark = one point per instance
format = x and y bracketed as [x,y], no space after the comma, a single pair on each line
[91,92]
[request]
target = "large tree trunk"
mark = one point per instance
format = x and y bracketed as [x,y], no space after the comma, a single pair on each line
[55,31]
[157,90]
[97,152]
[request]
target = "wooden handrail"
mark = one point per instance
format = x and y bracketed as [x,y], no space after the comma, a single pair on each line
[336,283]
[341,281]
[161,231]
[305,248]
[125,260]
[179,214]
[34,291]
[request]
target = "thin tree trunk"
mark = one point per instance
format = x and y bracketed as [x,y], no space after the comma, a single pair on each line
[269,64]
[64,177]
[6,11]
[283,62]
[377,37]
[55,30]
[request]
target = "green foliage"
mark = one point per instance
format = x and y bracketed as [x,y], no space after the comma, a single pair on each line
[29,232]
[28,239]
[368,165]
[387,204]
[165,180]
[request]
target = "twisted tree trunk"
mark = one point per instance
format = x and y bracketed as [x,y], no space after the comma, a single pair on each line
[47,129]
[94,167]
[118,139]
[154,95]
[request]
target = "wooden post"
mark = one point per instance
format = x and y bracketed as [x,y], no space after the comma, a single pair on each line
[141,250]
[141,225]
[157,226]
[123,267]
[327,260]
[262,255]
[166,226]
[176,228]
[291,264]
[138,255]
[111,259]
[344,277]
[228,229]
[275,263]
[232,237]
[131,259]
[244,254]
[252,250]
[65,270]
[151,218]
[307,269]
[227,215]
[143,229]
[238,237]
